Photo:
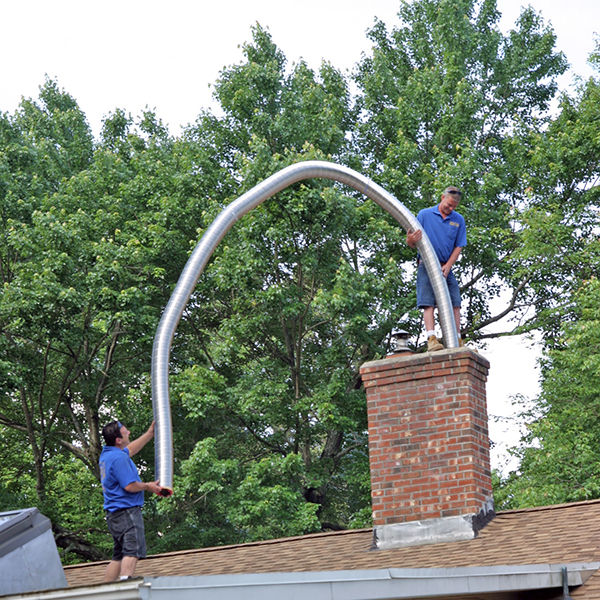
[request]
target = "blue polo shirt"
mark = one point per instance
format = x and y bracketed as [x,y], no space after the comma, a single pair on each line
[117,471]
[444,234]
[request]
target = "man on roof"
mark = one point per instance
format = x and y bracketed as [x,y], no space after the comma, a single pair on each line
[447,233]
[123,498]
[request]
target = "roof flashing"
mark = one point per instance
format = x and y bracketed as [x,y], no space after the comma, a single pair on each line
[382,584]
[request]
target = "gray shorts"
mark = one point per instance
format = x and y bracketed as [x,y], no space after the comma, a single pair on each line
[127,528]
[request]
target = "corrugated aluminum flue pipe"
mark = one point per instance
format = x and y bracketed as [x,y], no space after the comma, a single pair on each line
[206,246]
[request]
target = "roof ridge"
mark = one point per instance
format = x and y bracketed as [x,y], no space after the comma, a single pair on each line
[266,542]
[240,545]
[549,507]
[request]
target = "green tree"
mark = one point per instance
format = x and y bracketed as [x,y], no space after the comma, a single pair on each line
[560,220]
[558,455]
[42,145]
[448,99]
[89,261]
[298,295]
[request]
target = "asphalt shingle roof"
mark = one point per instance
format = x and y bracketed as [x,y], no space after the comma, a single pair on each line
[567,533]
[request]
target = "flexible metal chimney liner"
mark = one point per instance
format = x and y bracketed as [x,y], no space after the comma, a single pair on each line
[207,245]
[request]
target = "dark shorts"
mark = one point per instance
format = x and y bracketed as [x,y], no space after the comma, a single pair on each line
[425,295]
[127,528]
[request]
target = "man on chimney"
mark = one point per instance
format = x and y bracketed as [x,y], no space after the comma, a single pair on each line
[447,233]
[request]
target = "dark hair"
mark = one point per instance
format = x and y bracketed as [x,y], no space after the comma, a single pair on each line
[111,431]
[453,190]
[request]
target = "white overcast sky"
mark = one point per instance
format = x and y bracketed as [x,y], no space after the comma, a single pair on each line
[133,54]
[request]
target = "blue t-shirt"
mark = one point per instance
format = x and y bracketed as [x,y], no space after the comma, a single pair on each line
[444,234]
[117,471]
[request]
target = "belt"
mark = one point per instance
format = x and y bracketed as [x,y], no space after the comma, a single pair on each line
[420,262]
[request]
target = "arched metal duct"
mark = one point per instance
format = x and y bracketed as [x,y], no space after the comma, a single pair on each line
[204,250]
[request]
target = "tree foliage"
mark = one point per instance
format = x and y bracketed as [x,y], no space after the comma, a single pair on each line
[448,99]
[558,454]
[295,299]
[86,273]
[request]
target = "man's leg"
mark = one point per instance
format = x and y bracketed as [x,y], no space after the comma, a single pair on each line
[134,542]
[428,318]
[426,301]
[128,566]
[454,291]
[433,344]
[113,570]
[457,319]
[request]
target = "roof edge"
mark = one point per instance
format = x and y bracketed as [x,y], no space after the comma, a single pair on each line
[548,507]
[384,584]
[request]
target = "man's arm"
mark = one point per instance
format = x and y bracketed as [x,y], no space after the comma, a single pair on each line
[412,237]
[140,486]
[135,446]
[450,262]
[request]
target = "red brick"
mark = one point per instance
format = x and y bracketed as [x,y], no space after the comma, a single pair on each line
[427,435]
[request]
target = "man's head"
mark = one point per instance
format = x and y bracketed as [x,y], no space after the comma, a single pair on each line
[450,198]
[115,434]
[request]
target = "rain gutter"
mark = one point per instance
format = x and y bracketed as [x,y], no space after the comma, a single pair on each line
[385,584]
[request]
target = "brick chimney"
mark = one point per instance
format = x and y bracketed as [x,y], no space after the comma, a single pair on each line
[428,447]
